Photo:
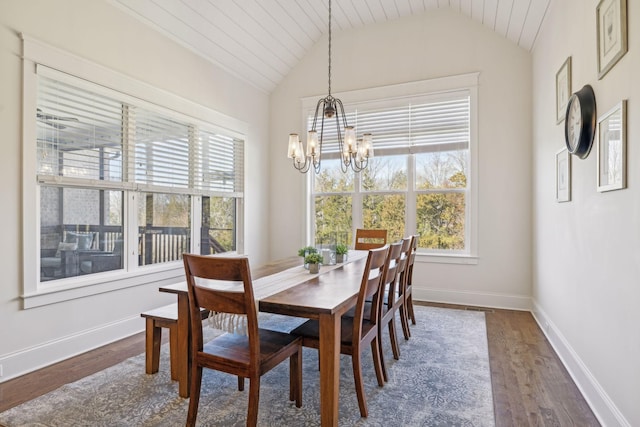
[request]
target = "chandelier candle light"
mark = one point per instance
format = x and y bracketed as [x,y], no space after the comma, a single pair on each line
[354,154]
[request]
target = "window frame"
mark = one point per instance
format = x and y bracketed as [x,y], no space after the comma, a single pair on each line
[390,96]
[60,63]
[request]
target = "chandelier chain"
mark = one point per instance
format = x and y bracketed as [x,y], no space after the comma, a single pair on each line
[329,47]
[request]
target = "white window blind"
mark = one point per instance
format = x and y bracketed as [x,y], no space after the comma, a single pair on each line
[161,150]
[222,165]
[87,138]
[79,133]
[418,125]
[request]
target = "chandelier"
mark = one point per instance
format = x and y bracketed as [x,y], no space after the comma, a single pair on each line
[354,153]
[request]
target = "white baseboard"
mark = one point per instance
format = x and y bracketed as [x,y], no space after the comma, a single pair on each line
[48,353]
[599,401]
[477,299]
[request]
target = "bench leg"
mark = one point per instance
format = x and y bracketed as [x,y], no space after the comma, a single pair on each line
[152,346]
[173,350]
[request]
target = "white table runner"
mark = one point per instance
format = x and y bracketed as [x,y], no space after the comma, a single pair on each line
[278,282]
[271,285]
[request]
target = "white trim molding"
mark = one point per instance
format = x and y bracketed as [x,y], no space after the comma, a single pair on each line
[472,298]
[599,401]
[48,353]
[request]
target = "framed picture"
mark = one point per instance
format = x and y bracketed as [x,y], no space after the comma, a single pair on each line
[563,89]
[563,176]
[612,33]
[612,149]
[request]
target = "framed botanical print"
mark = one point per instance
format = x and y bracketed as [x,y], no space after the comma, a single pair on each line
[612,33]
[612,149]
[563,89]
[563,176]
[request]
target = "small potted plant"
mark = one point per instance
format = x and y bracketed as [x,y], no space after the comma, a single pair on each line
[303,252]
[341,252]
[314,261]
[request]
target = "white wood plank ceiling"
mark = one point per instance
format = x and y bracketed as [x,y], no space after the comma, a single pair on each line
[262,40]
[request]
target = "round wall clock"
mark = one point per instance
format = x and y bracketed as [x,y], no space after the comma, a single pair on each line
[580,122]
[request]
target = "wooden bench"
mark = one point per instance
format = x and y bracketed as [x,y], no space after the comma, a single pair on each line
[156,319]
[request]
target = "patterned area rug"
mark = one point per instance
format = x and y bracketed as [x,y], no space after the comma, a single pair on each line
[441,379]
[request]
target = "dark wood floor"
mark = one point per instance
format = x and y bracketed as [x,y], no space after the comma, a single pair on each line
[530,385]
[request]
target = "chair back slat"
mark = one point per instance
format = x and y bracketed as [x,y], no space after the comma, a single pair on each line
[405,255]
[411,260]
[221,301]
[391,274]
[370,239]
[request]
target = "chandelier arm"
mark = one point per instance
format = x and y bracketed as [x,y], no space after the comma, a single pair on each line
[321,101]
[321,139]
[340,140]
[344,117]
[344,161]
[302,167]
[317,159]
[363,164]
[359,166]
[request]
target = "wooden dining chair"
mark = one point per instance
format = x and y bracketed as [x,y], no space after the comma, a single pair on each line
[246,356]
[392,299]
[388,305]
[408,311]
[357,332]
[370,239]
[400,301]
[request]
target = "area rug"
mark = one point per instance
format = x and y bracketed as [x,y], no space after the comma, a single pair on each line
[441,379]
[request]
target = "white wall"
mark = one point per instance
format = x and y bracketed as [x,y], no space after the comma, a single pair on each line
[101,33]
[439,43]
[586,253]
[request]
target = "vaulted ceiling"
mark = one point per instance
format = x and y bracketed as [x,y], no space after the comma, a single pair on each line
[260,41]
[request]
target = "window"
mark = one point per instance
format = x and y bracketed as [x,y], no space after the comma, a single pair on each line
[124,184]
[219,227]
[384,195]
[421,179]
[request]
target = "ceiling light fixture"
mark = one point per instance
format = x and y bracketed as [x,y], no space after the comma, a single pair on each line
[353,153]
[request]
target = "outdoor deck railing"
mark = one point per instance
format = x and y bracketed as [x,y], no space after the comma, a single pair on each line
[155,244]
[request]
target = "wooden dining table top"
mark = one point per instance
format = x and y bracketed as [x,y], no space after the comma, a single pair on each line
[333,292]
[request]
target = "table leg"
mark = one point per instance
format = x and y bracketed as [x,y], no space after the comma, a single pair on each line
[184,346]
[329,353]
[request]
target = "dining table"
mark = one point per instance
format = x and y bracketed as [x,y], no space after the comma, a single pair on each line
[284,287]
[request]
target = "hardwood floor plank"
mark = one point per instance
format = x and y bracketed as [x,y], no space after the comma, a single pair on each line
[530,385]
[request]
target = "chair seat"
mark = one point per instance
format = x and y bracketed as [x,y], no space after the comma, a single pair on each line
[311,329]
[367,310]
[235,347]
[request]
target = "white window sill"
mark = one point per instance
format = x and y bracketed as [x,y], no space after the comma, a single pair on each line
[447,258]
[83,286]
